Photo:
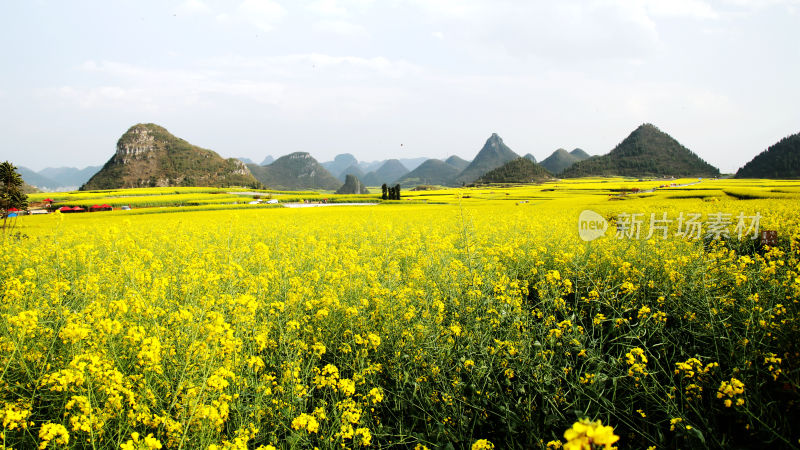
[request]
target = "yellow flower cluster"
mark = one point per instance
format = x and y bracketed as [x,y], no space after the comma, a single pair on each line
[15,417]
[773,364]
[53,432]
[693,376]
[396,324]
[588,435]
[637,362]
[136,442]
[305,422]
[482,444]
[731,391]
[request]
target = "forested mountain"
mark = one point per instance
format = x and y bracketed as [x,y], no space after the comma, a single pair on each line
[148,155]
[780,160]
[295,171]
[647,151]
[493,155]
[520,170]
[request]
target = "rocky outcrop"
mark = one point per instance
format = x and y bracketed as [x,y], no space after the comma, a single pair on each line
[352,185]
[148,155]
[139,144]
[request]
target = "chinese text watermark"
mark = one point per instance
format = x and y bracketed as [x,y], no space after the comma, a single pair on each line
[718,225]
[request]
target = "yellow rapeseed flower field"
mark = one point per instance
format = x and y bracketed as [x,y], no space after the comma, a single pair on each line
[461,318]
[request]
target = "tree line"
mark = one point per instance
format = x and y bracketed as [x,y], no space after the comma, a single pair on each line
[390,192]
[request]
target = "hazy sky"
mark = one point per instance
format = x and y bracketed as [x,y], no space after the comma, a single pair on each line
[257,77]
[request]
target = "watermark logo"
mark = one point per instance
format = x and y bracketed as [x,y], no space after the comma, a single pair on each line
[769,237]
[690,226]
[591,225]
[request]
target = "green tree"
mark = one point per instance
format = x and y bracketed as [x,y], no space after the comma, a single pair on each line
[11,195]
[385,190]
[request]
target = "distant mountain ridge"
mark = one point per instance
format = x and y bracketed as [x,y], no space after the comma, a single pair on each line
[378,172]
[647,151]
[58,178]
[494,154]
[148,155]
[389,172]
[295,171]
[340,163]
[562,159]
[520,170]
[70,177]
[433,172]
[579,153]
[780,161]
[412,163]
[345,160]
[35,179]
[354,170]
[458,163]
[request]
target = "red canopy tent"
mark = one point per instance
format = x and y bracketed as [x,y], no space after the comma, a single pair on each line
[12,209]
[65,209]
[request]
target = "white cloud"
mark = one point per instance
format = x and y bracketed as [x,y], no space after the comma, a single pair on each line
[263,14]
[457,9]
[101,97]
[378,65]
[438,35]
[328,8]
[152,88]
[340,27]
[193,7]
[299,84]
[564,30]
[296,66]
[259,91]
[758,4]
[344,103]
[693,9]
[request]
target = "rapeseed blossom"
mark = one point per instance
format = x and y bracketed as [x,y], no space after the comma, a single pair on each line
[53,432]
[731,392]
[587,435]
[482,444]
[351,327]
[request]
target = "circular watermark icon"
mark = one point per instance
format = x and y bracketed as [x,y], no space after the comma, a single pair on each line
[591,225]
